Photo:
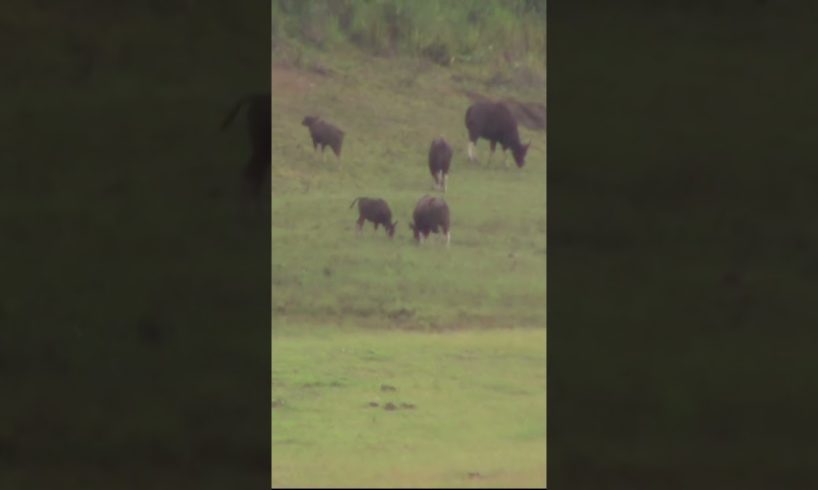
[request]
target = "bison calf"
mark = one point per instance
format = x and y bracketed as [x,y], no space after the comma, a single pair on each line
[324,134]
[430,216]
[440,158]
[259,128]
[494,122]
[376,211]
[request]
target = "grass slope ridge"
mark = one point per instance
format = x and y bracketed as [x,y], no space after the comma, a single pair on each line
[391,110]
[393,364]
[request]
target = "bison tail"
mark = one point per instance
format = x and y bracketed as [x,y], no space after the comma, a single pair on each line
[232,114]
[353,202]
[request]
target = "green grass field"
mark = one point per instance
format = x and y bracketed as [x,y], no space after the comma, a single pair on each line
[469,408]
[459,332]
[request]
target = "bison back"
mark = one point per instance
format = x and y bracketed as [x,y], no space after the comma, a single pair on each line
[490,120]
[431,213]
[440,155]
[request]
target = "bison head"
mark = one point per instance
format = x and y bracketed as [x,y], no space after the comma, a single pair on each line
[390,229]
[309,121]
[519,154]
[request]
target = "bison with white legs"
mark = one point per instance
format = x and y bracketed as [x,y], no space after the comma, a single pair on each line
[431,216]
[495,123]
[324,134]
[440,159]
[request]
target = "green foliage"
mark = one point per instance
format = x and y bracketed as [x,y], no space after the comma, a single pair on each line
[465,30]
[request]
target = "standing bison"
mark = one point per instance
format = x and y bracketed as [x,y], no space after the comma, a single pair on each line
[324,134]
[374,210]
[259,128]
[440,158]
[494,122]
[430,216]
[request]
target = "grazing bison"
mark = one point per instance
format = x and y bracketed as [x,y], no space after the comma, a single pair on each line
[431,214]
[259,130]
[376,211]
[324,134]
[494,122]
[440,158]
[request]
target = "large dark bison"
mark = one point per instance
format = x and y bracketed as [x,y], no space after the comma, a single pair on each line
[259,130]
[324,134]
[494,122]
[375,210]
[440,159]
[431,216]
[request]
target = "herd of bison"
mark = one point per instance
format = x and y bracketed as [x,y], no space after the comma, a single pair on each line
[488,120]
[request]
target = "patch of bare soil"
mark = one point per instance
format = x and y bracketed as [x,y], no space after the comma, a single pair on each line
[291,81]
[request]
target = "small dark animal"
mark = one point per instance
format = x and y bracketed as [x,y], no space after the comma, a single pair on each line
[324,134]
[494,122]
[431,214]
[440,158]
[259,127]
[376,211]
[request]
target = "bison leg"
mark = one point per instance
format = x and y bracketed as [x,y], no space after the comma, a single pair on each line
[445,182]
[493,145]
[359,225]
[448,238]
[439,179]
[471,151]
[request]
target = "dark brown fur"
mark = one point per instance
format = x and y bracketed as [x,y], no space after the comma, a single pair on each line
[375,210]
[494,122]
[430,216]
[324,134]
[440,159]
[259,130]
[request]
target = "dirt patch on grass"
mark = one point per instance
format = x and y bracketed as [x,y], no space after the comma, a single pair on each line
[319,384]
[290,81]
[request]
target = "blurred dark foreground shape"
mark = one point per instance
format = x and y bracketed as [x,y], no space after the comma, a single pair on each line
[682,233]
[134,304]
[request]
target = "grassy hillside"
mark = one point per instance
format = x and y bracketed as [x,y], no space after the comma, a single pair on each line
[391,111]
[459,332]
